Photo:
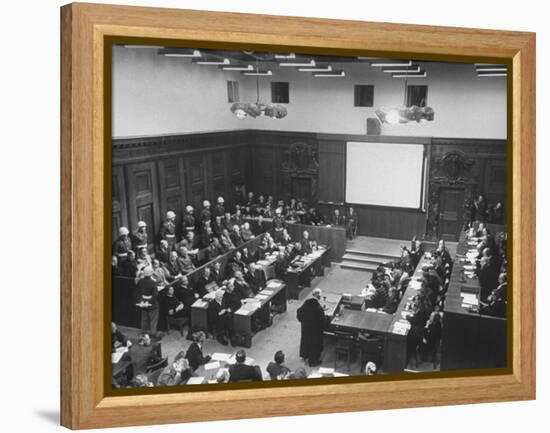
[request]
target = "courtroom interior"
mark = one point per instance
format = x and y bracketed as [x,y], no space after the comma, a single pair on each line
[280,216]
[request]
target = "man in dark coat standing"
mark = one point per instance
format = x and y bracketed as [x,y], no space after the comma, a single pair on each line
[312,317]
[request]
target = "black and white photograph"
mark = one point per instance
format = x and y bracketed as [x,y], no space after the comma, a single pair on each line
[280,216]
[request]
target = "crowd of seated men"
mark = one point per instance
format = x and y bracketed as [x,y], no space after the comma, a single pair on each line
[490,269]
[295,211]
[163,289]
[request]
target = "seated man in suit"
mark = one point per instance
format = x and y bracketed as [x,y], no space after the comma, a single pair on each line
[307,244]
[235,236]
[195,354]
[237,263]
[177,373]
[118,338]
[336,219]
[276,368]
[239,371]
[204,280]
[242,289]
[143,354]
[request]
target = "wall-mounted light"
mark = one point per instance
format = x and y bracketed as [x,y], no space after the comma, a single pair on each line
[333,74]
[212,62]
[311,64]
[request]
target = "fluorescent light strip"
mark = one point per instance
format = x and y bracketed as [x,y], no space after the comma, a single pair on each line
[327,69]
[142,46]
[329,74]
[212,62]
[237,68]
[397,71]
[492,74]
[285,56]
[484,69]
[299,65]
[258,73]
[421,75]
[391,65]
[195,53]
[490,64]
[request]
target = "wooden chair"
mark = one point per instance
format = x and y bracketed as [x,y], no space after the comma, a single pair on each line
[371,348]
[345,345]
[176,322]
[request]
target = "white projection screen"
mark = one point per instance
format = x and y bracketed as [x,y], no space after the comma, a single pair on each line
[385,174]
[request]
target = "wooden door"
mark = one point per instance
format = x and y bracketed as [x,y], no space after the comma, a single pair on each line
[197,187]
[172,187]
[451,209]
[118,197]
[143,202]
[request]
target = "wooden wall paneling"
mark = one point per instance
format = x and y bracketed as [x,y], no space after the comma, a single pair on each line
[119,205]
[495,180]
[217,175]
[332,171]
[196,179]
[143,197]
[172,187]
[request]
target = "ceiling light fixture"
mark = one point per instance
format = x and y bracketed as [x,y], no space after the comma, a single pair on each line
[255,109]
[405,114]
[260,73]
[311,63]
[396,71]
[237,68]
[285,56]
[333,74]
[326,69]
[181,53]
[212,62]
[391,65]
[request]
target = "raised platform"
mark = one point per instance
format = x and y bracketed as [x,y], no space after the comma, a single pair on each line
[366,253]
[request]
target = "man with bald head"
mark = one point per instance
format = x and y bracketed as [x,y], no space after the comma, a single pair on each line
[312,318]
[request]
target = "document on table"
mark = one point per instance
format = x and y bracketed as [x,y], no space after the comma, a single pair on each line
[212,365]
[195,381]
[116,356]
[219,356]
[326,370]
[261,297]
[267,292]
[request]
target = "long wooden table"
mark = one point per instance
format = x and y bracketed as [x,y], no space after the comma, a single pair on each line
[296,276]
[470,339]
[333,236]
[392,328]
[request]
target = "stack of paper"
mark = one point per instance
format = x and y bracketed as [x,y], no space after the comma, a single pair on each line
[469,300]
[195,381]
[336,374]
[261,297]
[267,292]
[401,327]
[325,371]
[212,365]
[210,296]
[222,357]
[199,303]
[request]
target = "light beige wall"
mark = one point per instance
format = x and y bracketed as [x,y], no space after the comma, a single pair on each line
[155,95]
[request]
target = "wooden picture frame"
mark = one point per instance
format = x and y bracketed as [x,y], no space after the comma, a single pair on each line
[85,402]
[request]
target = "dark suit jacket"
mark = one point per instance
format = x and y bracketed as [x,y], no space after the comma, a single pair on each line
[195,357]
[243,372]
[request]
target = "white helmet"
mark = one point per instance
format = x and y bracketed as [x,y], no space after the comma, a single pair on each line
[170,214]
[189,208]
[220,200]
[123,231]
[142,224]
[147,271]
[206,203]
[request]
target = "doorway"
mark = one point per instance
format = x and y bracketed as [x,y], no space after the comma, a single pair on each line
[451,210]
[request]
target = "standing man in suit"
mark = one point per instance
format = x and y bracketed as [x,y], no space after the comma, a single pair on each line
[278,225]
[306,243]
[312,318]
[194,353]
[241,372]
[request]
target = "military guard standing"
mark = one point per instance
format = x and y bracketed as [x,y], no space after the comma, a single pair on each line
[140,236]
[168,229]
[122,245]
[206,213]
[219,210]
[188,220]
